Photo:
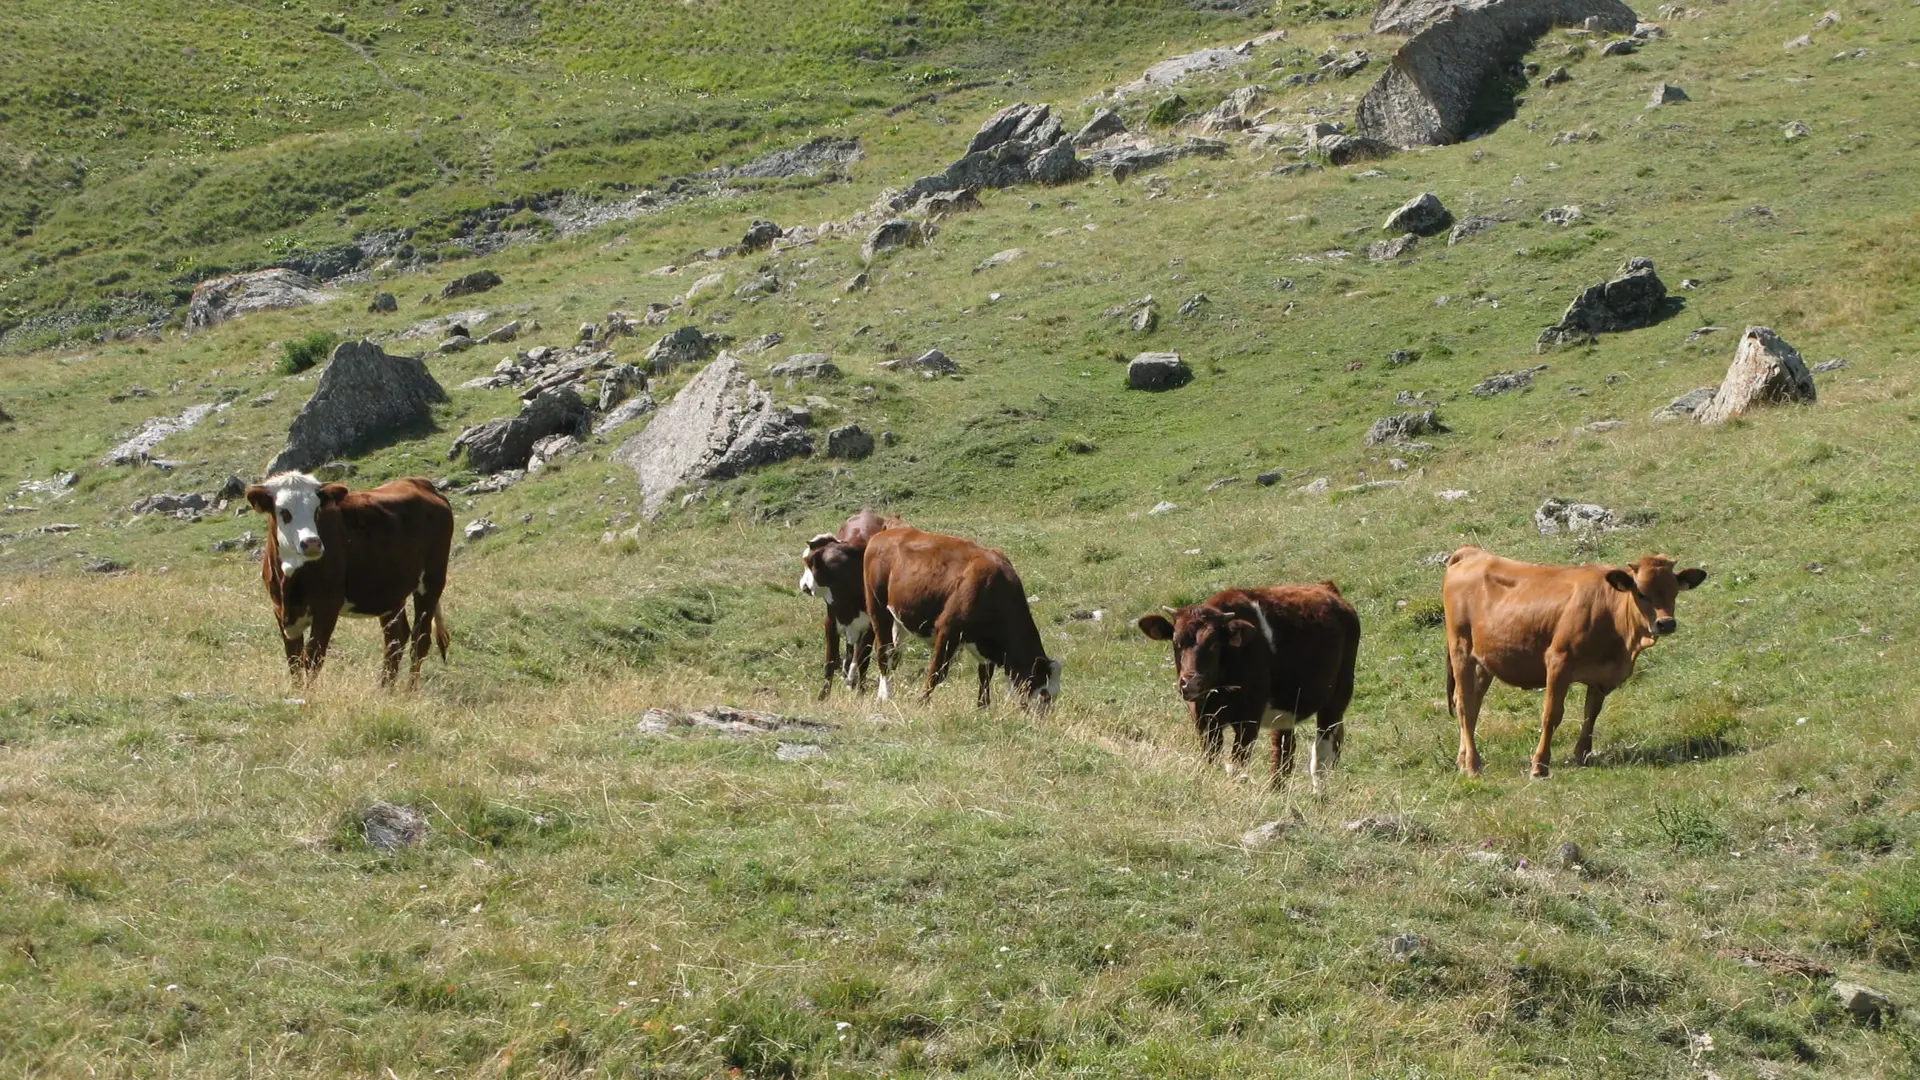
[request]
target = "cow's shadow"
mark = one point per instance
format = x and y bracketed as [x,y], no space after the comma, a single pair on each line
[1673,750]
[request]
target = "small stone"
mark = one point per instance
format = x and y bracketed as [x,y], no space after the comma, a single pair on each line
[1794,130]
[1163,508]
[481,528]
[857,283]
[1666,94]
[797,751]
[1620,47]
[1390,250]
[1557,76]
[849,443]
[1864,1004]
[1765,371]
[1557,516]
[382,303]
[1402,357]
[1405,426]
[1422,215]
[1800,42]
[999,258]
[1471,225]
[1191,305]
[387,827]
[1319,486]
[476,282]
[1267,479]
[1145,319]
[1406,946]
[1570,857]
[1562,216]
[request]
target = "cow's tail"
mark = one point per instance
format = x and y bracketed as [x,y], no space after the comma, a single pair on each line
[440,635]
[1451,711]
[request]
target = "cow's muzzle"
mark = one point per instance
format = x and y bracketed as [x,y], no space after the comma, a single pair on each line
[1193,689]
[311,547]
[1665,626]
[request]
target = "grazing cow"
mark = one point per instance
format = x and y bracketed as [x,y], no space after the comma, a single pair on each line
[1548,627]
[835,572]
[1248,658]
[334,552]
[957,593]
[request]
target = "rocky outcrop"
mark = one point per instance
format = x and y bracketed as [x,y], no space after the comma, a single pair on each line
[687,345]
[364,394]
[1427,93]
[849,443]
[507,443]
[1410,16]
[1636,298]
[1105,123]
[1020,144]
[1177,69]
[1121,162]
[1765,371]
[477,282]
[1158,371]
[1506,382]
[219,299]
[1557,516]
[760,236]
[139,446]
[893,234]
[1404,427]
[717,427]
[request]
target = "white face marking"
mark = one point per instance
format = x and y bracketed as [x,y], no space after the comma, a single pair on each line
[806,583]
[1052,689]
[296,502]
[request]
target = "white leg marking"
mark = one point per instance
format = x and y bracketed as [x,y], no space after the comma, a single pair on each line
[886,691]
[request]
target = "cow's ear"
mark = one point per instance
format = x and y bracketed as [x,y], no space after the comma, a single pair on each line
[1621,580]
[332,493]
[1156,627]
[1240,631]
[260,499]
[821,541]
[1691,579]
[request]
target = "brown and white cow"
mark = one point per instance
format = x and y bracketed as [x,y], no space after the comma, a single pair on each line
[1546,628]
[1248,658]
[334,552]
[835,572]
[957,593]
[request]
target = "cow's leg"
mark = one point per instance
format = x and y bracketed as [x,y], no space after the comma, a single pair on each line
[1553,708]
[1583,746]
[318,637]
[1208,727]
[986,683]
[1244,735]
[1470,688]
[1330,727]
[1282,754]
[293,636]
[393,628]
[885,656]
[426,608]
[945,643]
[857,669]
[833,657]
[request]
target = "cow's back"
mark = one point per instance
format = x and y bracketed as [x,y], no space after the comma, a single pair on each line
[395,536]
[1509,613]
[1316,640]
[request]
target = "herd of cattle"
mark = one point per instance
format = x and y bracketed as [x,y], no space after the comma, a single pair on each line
[1245,658]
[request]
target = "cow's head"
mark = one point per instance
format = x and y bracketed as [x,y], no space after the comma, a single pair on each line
[294,501]
[830,563]
[1201,635]
[1040,685]
[1655,585]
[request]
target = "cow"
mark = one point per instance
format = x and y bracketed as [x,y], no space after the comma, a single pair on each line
[1547,627]
[835,573]
[957,593]
[1248,658]
[334,552]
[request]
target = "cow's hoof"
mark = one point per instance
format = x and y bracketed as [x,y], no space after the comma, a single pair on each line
[1541,772]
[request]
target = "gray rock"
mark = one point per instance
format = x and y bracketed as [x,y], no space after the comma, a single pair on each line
[1402,357]
[1426,96]
[1016,123]
[171,504]
[459,343]
[1864,1004]
[711,285]
[1795,130]
[999,258]
[626,412]
[1234,113]
[857,283]
[1267,479]
[480,529]
[383,303]
[1349,65]
[363,395]
[799,751]
[894,234]
[942,204]
[763,285]
[1389,250]
[1057,164]
[477,282]
[1570,857]
[1394,827]
[760,236]
[1405,426]
[931,362]
[717,427]
[1104,124]
[1122,162]
[1471,225]
[805,366]
[1557,76]
[551,449]
[1831,18]
[1406,946]
[1556,516]
[246,541]
[1505,381]
[1765,371]
[1634,299]
[1268,833]
[502,334]
[1625,46]
[1177,69]
[234,488]
[1422,215]
[725,721]
[1686,404]
[849,443]
[1801,42]
[1562,216]
[687,345]
[334,471]
[1317,486]
[1408,16]
[1145,319]
[219,299]
[762,343]
[387,827]
[138,447]
[1825,366]
[619,384]
[1191,305]
[1158,371]
[1666,94]
[507,443]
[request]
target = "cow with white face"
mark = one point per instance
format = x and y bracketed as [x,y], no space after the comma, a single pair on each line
[334,552]
[834,572]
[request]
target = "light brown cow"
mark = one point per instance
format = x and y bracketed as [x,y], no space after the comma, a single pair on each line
[957,593]
[1546,628]
[334,552]
[835,572]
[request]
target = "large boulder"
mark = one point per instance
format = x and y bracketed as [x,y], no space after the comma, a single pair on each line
[1410,16]
[1635,298]
[1426,96]
[507,443]
[364,395]
[687,345]
[1104,124]
[1158,371]
[219,299]
[717,427]
[466,285]
[1020,144]
[1765,371]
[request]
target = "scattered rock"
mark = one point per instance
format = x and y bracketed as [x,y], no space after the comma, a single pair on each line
[1318,486]
[1104,124]
[1177,69]
[551,449]
[1765,371]
[1272,831]
[1828,365]
[1404,427]
[234,488]
[1402,357]
[849,443]
[805,366]
[760,236]
[219,299]
[1158,371]
[717,427]
[1422,215]
[1408,16]
[932,362]
[619,384]
[507,443]
[1122,162]
[1020,144]
[1796,130]
[1161,509]
[1570,857]
[364,394]
[1406,946]
[383,303]
[1700,332]
[1267,479]
[1557,76]
[138,448]
[799,751]
[999,258]
[1634,299]
[1145,319]
[939,205]
[477,282]
[456,344]
[501,335]
[711,285]
[1426,96]
[246,541]
[1864,1004]
[1801,42]
[1347,149]
[1666,94]
[388,827]
[857,283]
[1389,250]
[1394,827]
[893,234]
[1556,516]
[1349,65]
[1472,225]
[1234,113]
[1686,404]
[725,721]
[1191,305]
[1495,385]
[1831,18]
[687,345]
[180,506]
[105,566]
[1625,46]
[480,529]
[1562,216]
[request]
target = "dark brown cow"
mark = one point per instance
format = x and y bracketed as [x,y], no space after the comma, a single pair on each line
[835,572]
[334,552]
[1546,628]
[957,593]
[1252,657]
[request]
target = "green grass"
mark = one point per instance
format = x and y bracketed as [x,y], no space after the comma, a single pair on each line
[183,883]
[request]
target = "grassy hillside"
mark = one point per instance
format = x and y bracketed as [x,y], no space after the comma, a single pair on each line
[999,893]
